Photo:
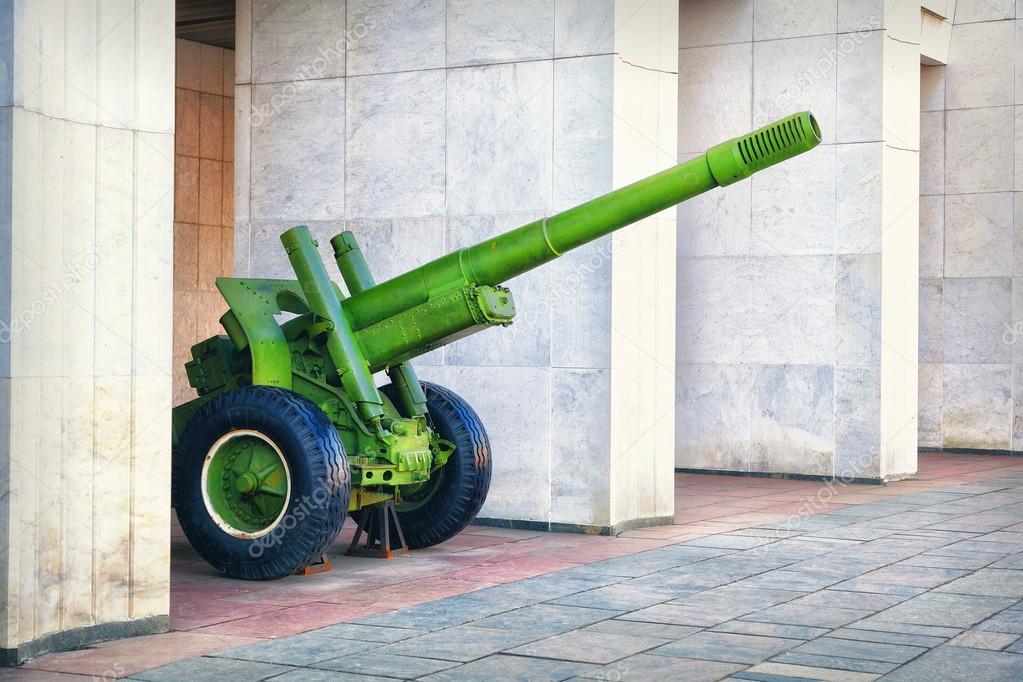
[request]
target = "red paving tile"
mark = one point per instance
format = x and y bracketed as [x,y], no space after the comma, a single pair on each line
[211,613]
[110,660]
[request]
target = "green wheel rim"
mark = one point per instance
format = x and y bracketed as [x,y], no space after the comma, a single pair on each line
[246,484]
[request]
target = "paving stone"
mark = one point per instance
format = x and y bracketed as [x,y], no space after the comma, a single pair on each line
[1002,536]
[462,643]
[436,615]
[203,669]
[727,647]
[307,675]
[546,619]
[874,625]
[298,650]
[588,646]
[979,639]
[813,616]
[863,585]
[788,671]
[855,531]
[989,582]
[858,649]
[728,541]
[621,596]
[647,667]
[501,668]
[783,579]
[544,587]
[952,663]
[749,627]
[1010,621]
[641,629]
[970,562]
[925,641]
[1016,647]
[966,547]
[387,665]
[944,610]
[712,606]
[912,576]
[636,565]
[866,601]
[1014,561]
[371,633]
[838,663]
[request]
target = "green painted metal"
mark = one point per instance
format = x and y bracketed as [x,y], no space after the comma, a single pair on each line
[246,484]
[330,349]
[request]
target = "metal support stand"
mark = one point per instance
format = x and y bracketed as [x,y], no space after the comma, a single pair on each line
[321,566]
[376,521]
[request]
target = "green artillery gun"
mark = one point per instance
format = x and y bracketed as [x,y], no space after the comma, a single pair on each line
[289,432]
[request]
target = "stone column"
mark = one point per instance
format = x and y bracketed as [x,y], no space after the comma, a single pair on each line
[86,186]
[797,295]
[493,115]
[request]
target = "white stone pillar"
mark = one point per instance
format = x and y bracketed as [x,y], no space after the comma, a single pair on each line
[86,186]
[797,298]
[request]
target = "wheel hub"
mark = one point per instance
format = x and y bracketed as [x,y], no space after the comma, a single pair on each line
[246,484]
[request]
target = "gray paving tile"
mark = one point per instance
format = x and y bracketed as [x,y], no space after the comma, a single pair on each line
[549,586]
[874,625]
[727,647]
[297,650]
[437,614]
[969,563]
[711,607]
[813,616]
[952,664]
[386,665]
[1009,620]
[546,619]
[989,582]
[980,639]
[859,649]
[588,646]
[620,596]
[462,643]
[749,627]
[788,672]
[501,668]
[203,669]
[965,547]
[728,541]
[641,629]
[1014,561]
[364,633]
[912,576]
[783,579]
[943,610]
[838,663]
[866,586]
[644,563]
[925,641]
[307,675]
[647,667]
[865,601]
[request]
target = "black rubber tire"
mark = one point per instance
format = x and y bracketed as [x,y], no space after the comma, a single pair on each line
[466,475]
[320,482]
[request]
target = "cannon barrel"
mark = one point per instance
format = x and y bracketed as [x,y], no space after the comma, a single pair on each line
[500,258]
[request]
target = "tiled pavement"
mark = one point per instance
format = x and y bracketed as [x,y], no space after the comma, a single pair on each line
[760,579]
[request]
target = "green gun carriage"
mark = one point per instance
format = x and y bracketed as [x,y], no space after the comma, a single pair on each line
[289,432]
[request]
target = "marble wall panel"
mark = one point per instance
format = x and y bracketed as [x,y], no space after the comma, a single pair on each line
[395,145]
[386,36]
